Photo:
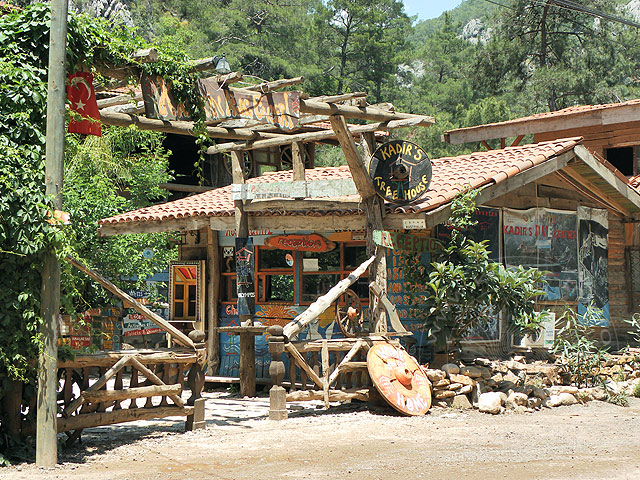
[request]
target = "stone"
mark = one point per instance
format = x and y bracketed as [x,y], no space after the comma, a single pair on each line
[558,389]
[518,358]
[463,379]
[451,368]
[444,383]
[560,399]
[490,402]
[534,402]
[540,393]
[505,386]
[485,373]
[511,377]
[513,365]
[444,403]
[461,402]
[497,377]
[455,386]
[435,375]
[503,396]
[471,371]
[591,393]
[517,398]
[439,394]
[483,362]
[465,390]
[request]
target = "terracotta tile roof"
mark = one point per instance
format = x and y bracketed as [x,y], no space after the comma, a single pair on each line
[565,112]
[451,175]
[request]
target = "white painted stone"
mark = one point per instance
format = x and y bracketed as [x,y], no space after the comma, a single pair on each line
[490,402]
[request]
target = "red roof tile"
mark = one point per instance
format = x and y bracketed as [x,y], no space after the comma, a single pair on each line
[565,112]
[451,175]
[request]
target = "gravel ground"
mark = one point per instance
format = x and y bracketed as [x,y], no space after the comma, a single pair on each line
[592,441]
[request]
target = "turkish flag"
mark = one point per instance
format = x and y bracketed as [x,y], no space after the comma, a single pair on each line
[82,99]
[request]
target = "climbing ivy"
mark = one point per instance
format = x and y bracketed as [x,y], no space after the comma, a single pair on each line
[25,236]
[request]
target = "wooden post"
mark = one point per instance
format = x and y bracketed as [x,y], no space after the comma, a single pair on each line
[247,341]
[46,433]
[298,159]
[277,394]
[374,212]
[325,372]
[213,277]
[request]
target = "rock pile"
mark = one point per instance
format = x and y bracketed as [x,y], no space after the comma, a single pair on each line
[496,386]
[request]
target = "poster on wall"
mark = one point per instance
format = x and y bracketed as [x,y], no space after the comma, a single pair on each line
[593,250]
[487,228]
[244,274]
[546,239]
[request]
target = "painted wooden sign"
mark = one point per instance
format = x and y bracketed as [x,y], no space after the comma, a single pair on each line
[244,276]
[277,108]
[401,171]
[399,379]
[304,243]
[298,189]
[408,243]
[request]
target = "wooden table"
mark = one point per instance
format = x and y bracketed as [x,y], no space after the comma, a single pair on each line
[247,355]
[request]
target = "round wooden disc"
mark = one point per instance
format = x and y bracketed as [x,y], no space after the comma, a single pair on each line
[399,379]
[401,171]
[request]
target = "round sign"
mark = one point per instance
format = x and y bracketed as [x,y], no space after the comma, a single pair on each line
[147,253]
[401,171]
[289,259]
[399,379]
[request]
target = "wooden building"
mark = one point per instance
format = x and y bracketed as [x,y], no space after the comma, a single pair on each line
[542,197]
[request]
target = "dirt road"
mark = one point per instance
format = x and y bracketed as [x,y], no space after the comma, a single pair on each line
[593,441]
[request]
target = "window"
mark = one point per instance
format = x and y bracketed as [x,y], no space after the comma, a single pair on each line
[186,282]
[275,275]
[623,158]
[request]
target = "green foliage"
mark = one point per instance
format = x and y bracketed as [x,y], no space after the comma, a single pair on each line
[580,355]
[636,390]
[634,323]
[463,288]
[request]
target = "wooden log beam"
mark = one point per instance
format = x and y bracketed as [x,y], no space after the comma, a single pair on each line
[137,306]
[184,128]
[88,420]
[363,113]
[323,302]
[266,87]
[101,382]
[356,165]
[119,100]
[347,358]
[153,378]
[338,98]
[213,322]
[278,140]
[137,392]
[325,373]
[334,395]
[302,363]
[108,359]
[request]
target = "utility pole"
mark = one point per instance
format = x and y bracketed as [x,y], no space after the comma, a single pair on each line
[47,424]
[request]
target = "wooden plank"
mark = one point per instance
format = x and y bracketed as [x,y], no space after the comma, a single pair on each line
[389,307]
[119,100]
[408,243]
[299,359]
[155,318]
[294,189]
[325,301]
[138,392]
[266,87]
[153,378]
[88,420]
[304,205]
[363,113]
[325,373]
[517,140]
[334,395]
[298,157]
[279,140]
[247,365]
[102,381]
[107,359]
[338,98]
[359,173]
[588,189]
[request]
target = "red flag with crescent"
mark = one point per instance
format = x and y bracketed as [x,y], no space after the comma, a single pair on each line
[82,100]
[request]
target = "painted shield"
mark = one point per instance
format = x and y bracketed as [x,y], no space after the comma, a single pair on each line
[399,379]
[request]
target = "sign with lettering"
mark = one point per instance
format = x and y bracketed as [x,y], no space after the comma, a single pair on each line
[408,243]
[276,108]
[244,275]
[399,379]
[298,189]
[304,243]
[401,171]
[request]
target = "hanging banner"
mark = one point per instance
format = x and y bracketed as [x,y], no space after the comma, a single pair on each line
[244,275]
[82,100]
[281,109]
[487,228]
[593,264]
[545,239]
